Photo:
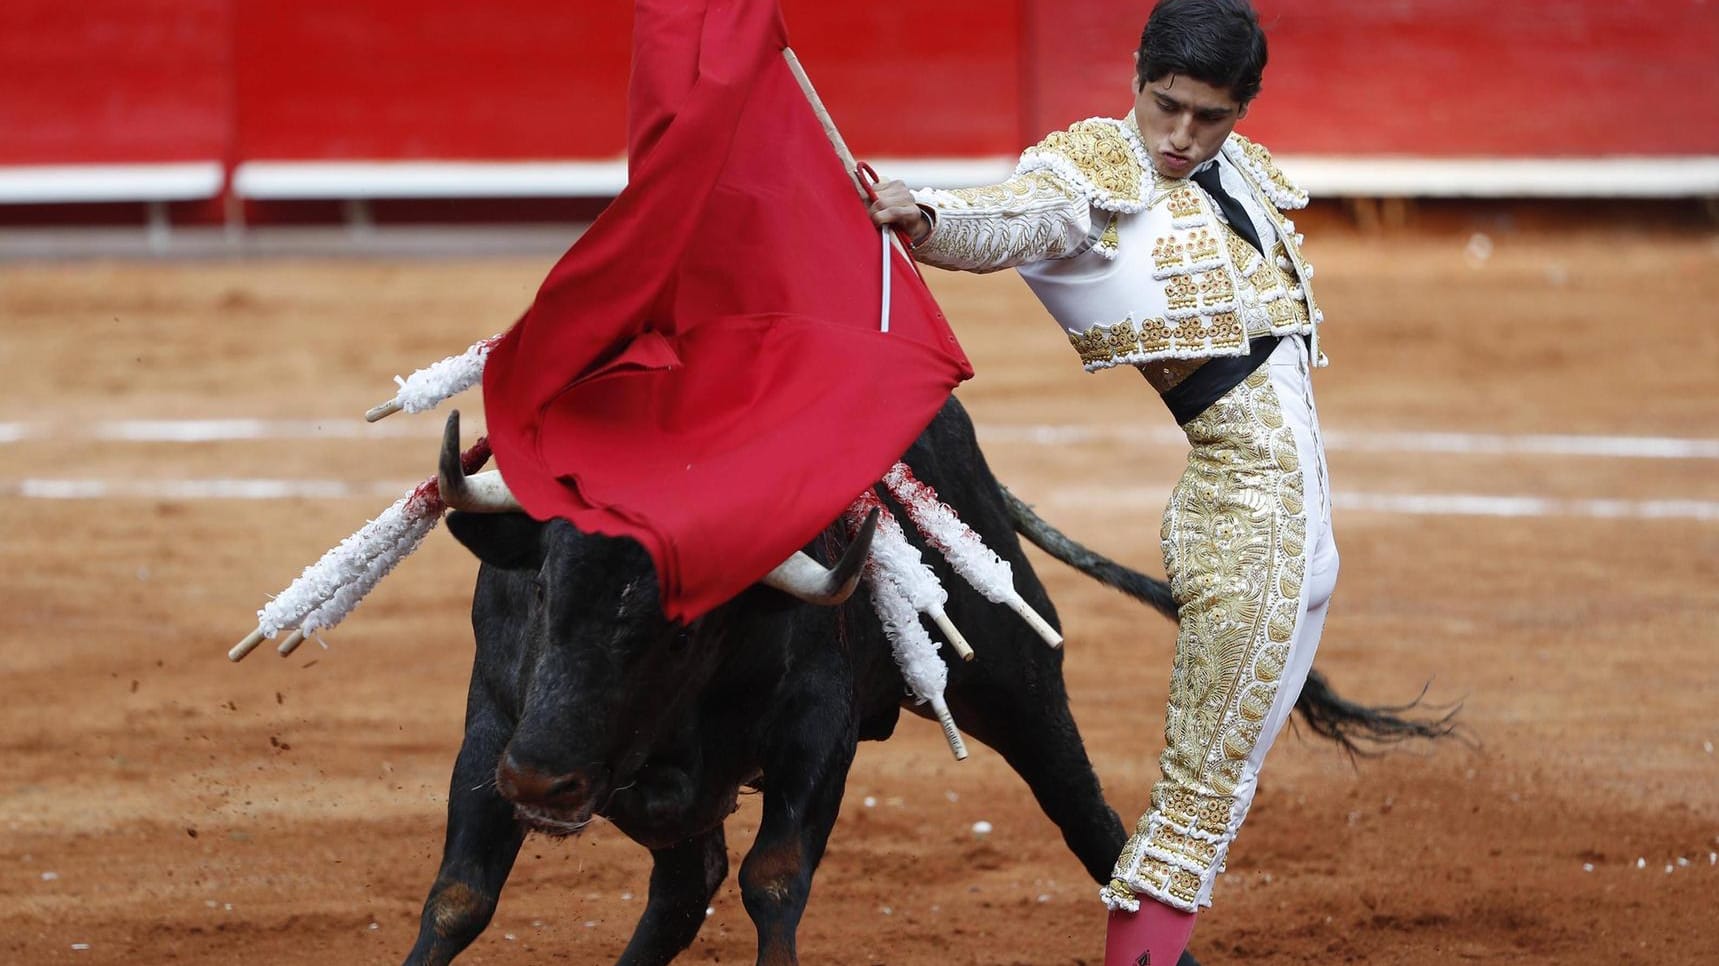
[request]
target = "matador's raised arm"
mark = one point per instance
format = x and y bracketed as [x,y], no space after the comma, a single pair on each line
[1028,218]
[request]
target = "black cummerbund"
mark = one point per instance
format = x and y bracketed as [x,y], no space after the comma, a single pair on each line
[1207,384]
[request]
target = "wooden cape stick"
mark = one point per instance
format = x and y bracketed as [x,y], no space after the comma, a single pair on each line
[393,406]
[951,734]
[830,131]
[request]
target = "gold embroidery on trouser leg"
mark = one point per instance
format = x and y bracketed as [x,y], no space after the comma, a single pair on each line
[1234,545]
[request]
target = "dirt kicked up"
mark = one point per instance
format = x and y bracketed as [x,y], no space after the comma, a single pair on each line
[1524,458]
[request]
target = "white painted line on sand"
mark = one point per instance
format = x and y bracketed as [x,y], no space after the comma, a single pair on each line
[196,489]
[1528,444]
[1465,504]
[224,430]
[1531,444]
[217,430]
[1150,501]
[1142,498]
[1038,434]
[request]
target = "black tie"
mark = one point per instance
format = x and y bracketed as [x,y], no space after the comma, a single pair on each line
[1234,213]
[1207,385]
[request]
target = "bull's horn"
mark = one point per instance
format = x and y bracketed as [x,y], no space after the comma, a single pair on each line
[480,493]
[812,582]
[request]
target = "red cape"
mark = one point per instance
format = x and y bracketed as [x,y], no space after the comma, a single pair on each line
[703,371]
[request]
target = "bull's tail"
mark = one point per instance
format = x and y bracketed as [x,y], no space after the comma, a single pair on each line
[1366,731]
[1154,593]
[1357,728]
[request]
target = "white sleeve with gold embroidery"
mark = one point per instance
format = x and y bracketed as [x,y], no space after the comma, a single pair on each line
[1028,218]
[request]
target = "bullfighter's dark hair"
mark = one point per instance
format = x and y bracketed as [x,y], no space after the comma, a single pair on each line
[1218,42]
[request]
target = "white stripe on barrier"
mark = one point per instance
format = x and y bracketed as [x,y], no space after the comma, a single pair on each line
[301,180]
[1659,177]
[90,183]
[1691,176]
[1529,444]
[309,180]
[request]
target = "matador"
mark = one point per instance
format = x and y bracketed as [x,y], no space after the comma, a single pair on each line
[1160,241]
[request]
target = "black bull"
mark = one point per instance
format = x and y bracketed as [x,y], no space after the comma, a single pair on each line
[585,701]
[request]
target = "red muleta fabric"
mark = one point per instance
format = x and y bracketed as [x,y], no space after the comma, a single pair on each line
[703,371]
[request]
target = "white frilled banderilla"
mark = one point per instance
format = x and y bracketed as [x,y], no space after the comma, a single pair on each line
[977,564]
[902,586]
[427,388]
[332,587]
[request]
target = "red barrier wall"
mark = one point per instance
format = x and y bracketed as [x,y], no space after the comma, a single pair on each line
[395,79]
[162,80]
[1430,77]
[107,81]
[907,78]
[422,79]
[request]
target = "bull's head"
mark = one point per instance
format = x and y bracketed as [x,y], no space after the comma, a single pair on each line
[582,655]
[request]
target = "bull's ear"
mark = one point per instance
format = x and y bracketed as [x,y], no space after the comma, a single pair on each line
[512,541]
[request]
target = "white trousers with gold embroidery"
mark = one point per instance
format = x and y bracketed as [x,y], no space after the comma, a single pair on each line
[1252,564]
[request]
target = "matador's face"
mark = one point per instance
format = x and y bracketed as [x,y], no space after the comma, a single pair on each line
[1183,121]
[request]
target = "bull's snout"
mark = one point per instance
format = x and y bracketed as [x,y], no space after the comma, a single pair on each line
[527,785]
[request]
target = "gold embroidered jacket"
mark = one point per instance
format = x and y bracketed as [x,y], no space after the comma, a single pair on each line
[1136,267]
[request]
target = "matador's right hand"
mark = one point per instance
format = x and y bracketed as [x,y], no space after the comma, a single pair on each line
[895,208]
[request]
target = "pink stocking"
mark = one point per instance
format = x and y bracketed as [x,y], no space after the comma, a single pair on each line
[1154,936]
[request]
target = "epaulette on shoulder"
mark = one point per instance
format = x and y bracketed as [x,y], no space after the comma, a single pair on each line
[1255,160]
[1102,158]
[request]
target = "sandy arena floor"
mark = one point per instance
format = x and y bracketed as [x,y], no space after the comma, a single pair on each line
[158,804]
